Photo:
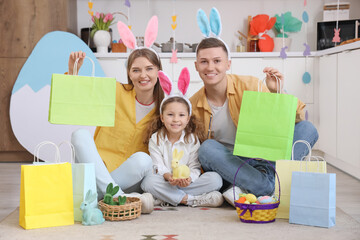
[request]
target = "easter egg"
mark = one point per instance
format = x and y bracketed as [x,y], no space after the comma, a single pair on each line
[241,200]
[29,103]
[265,199]
[247,202]
[251,198]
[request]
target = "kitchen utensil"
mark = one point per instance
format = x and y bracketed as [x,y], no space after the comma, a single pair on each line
[167,47]
[192,46]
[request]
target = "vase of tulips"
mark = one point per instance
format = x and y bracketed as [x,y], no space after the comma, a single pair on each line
[100,31]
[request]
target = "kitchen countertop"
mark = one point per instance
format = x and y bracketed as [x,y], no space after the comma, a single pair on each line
[346,47]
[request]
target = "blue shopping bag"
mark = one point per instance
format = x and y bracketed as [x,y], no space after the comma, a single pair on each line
[83,180]
[83,175]
[313,199]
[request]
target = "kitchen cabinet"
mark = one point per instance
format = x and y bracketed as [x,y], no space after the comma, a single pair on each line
[339,112]
[348,115]
[327,104]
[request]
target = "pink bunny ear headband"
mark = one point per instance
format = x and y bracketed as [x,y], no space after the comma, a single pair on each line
[183,85]
[129,39]
[211,28]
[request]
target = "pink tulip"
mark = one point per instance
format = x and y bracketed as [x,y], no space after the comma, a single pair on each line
[92,18]
[97,15]
[105,19]
[109,16]
[102,15]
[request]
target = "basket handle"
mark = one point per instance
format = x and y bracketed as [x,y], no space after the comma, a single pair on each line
[247,161]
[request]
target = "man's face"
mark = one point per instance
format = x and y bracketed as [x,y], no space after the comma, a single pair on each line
[212,64]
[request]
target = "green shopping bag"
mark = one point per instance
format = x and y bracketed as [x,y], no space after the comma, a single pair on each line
[82,100]
[266,125]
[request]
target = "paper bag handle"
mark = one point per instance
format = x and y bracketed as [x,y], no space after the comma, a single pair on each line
[247,161]
[72,148]
[278,84]
[300,141]
[75,72]
[37,150]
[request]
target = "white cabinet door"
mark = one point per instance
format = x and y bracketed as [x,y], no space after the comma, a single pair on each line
[114,67]
[348,121]
[327,104]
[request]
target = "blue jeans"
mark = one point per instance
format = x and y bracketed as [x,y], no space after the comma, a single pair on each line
[256,176]
[127,176]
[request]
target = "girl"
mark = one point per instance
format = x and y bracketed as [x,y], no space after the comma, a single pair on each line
[118,152]
[175,128]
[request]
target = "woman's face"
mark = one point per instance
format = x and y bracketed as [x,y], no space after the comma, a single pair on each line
[143,74]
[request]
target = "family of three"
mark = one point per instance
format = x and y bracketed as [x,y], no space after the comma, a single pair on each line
[136,153]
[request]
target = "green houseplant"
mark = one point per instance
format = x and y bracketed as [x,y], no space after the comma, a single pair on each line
[285,24]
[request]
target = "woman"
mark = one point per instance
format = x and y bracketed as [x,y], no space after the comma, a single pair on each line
[118,152]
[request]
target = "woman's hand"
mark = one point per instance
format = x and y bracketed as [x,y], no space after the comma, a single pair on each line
[271,81]
[72,58]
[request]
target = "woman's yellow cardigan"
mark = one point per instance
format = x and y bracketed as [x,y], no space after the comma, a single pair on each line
[116,144]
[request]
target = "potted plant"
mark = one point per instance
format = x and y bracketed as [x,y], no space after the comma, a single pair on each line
[121,208]
[100,31]
[285,24]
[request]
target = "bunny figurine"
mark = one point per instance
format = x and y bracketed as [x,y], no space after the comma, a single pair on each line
[91,216]
[181,171]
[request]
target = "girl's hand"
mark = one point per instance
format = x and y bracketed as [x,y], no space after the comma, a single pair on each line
[184,182]
[271,81]
[72,58]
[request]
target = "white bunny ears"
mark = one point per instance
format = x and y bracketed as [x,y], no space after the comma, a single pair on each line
[183,85]
[211,27]
[129,39]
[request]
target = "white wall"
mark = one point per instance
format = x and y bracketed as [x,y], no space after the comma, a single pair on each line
[233,13]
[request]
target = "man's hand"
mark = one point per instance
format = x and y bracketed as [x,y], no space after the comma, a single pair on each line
[271,82]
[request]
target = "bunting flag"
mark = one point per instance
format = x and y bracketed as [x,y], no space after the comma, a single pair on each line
[90,4]
[336,38]
[174,58]
[128,5]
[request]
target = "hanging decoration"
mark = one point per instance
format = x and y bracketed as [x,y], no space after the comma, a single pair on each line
[306,78]
[283,54]
[336,38]
[90,4]
[173,58]
[305,17]
[128,5]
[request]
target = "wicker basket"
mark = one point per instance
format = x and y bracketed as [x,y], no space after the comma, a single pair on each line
[256,213]
[130,210]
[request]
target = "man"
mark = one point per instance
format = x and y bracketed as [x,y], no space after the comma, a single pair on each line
[217,106]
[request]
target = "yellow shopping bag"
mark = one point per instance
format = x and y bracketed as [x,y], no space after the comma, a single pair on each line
[285,168]
[46,195]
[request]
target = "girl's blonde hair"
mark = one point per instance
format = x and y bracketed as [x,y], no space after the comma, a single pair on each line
[193,127]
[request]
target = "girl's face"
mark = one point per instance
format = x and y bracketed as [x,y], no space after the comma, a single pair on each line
[175,117]
[212,64]
[143,74]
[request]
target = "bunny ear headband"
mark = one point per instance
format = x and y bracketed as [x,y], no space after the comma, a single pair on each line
[129,39]
[183,85]
[211,28]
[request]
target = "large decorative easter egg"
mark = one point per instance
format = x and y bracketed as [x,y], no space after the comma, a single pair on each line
[29,103]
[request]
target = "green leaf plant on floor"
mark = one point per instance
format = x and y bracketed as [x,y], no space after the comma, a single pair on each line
[109,196]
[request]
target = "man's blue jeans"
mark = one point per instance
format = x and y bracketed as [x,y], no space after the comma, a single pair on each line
[256,176]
